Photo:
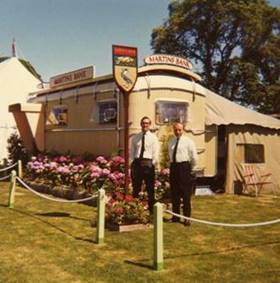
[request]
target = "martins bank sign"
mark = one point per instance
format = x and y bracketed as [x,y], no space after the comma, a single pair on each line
[167,59]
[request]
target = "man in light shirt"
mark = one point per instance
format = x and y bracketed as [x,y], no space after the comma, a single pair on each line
[144,153]
[183,158]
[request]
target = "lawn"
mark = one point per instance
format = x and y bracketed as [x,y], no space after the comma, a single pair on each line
[44,241]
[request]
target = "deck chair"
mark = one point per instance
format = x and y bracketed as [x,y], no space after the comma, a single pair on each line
[254,178]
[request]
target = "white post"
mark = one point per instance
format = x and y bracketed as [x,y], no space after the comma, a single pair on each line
[158,236]
[20,169]
[12,189]
[100,217]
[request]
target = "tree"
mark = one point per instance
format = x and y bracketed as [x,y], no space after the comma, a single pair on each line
[235,44]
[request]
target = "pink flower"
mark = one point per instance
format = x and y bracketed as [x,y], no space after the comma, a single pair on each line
[63,170]
[62,159]
[118,159]
[165,172]
[101,160]
[95,175]
[96,169]
[77,160]
[119,196]
[129,198]
[53,165]
[157,183]
[119,210]
[105,172]
[112,177]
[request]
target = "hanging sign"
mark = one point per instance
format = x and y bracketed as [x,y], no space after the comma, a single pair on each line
[125,67]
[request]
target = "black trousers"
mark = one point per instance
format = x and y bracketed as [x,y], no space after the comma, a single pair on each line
[140,173]
[181,183]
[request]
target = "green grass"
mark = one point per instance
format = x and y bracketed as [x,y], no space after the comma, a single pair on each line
[44,241]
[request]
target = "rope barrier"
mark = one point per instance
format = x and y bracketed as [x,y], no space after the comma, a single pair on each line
[224,224]
[5,178]
[55,199]
[9,167]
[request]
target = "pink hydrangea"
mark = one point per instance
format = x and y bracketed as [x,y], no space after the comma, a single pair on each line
[62,159]
[95,175]
[105,172]
[157,183]
[53,165]
[165,172]
[95,168]
[63,170]
[101,160]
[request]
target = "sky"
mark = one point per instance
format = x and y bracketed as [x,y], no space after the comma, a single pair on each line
[59,36]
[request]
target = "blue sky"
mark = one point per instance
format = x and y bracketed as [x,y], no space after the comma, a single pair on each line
[57,36]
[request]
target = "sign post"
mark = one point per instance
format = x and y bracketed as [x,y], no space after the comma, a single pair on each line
[125,75]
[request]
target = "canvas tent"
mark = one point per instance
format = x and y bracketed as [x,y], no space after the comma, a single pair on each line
[16,81]
[244,127]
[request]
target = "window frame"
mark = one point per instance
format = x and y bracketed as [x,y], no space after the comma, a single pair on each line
[60,122]
[247,148]
[102,102]
[170,101]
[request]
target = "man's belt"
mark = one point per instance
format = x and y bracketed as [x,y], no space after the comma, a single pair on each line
[182,162]
[144,162]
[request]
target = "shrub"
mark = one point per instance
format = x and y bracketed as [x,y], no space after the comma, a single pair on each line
[17,150]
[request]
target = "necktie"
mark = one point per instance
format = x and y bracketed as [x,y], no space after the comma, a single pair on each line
[175,150]
[142,146]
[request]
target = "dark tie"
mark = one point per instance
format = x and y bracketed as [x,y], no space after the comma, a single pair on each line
[142,146]
[175,150]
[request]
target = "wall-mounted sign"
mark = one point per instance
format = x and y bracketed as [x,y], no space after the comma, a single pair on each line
[125,66]
[72,77]
[167,59]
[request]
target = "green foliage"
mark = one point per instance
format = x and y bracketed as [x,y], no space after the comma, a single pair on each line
[165,134]
[236,44]
[16,149]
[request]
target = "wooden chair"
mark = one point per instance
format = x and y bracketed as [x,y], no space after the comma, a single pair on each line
[253,177]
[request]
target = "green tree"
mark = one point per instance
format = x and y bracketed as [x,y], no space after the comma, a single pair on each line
[234,43]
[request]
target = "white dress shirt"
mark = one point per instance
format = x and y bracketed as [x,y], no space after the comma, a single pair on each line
[151,146]
[186,150]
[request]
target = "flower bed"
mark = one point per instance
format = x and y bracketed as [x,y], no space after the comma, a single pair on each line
[72,178]
[75,172]
[124,209]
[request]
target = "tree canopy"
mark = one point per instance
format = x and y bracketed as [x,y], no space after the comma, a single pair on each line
[234,43]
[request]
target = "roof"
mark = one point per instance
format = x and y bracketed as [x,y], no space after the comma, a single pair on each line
[221,111]
[15,84]
[26,64]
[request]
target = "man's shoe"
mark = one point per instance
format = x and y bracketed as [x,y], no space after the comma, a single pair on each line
[187,222]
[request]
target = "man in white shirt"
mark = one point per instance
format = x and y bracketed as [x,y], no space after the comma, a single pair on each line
[144,153]
[183,158]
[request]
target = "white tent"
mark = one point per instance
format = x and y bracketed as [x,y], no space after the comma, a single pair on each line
[15,84]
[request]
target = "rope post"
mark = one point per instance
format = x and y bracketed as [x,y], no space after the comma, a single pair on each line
[100,217]
[12,189]
[20,169]
[158,236]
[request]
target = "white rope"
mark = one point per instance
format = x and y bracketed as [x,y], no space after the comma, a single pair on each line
[5,178]
[225,224]
[9,167]
[55,199]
